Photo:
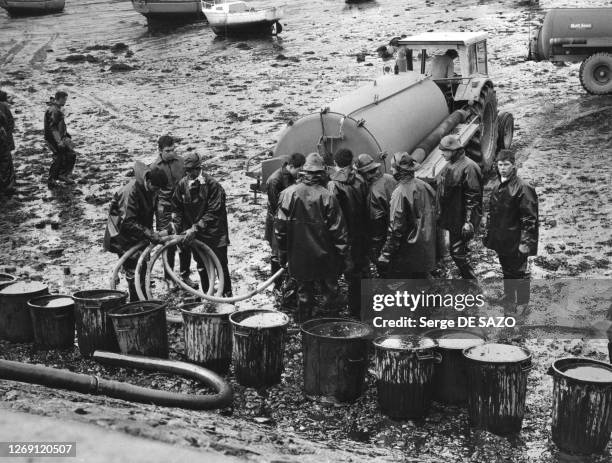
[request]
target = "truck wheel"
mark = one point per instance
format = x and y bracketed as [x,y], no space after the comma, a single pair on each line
[596,74]
[505,130]
[483,145]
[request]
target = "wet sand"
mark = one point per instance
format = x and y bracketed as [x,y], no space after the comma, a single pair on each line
[227,99]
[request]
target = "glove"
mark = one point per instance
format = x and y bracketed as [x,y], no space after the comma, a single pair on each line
[155,238]
[282,259]
[190,235]
[467,232]
[523,249]
[383,261]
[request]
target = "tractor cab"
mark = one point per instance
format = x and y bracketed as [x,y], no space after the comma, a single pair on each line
[425,51]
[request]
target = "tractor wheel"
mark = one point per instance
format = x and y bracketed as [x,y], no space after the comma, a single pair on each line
[505,130]
[596,74]
[483,145]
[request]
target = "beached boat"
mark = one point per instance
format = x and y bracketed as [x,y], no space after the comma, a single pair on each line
[168,10]
[32,7]
[232,18]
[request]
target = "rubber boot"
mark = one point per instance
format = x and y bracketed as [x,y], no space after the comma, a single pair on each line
[509,291]
[610,351]
[203,280]
[523,290]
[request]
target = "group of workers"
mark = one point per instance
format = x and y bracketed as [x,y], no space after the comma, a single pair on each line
[183,199]
[321,226]
[321,222]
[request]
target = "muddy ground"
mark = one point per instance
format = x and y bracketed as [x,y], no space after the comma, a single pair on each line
[227,99]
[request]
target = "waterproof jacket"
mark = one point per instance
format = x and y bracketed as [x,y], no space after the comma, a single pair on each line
[513,217]
[459,190]
[411,239]
[130,217]
[311,230]
[55,127]
[174,167]
[201,203]
[351,192]
[7,126]
[276,183]
[378,202]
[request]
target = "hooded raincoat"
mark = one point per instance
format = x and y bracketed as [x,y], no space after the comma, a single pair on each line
[311,230]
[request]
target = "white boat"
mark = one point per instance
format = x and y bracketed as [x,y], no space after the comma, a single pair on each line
[32,7]
[168,10]
[229,18]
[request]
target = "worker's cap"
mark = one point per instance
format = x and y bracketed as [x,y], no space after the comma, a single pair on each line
[365,163]
[404,161]
[314,163]
[450,143]
[192,160]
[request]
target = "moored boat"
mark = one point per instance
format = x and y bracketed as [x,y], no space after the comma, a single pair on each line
[235,17]
[168,10]
[32,7]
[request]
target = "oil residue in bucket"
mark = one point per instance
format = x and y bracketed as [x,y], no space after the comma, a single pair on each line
[405,342]
[345,329]
[54,302]
[503,353]
[590,373]
[212,309]
[459,340]
[264,320]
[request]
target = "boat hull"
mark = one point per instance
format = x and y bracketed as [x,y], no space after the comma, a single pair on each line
[168,10]
[250,22]
[32,7]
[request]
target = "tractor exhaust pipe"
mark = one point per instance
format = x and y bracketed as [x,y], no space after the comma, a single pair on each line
[432,140]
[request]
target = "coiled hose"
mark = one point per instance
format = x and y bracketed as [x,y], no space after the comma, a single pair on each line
[88,384]
[209,259]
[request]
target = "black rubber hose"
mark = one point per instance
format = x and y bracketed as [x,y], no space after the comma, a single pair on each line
[61,379]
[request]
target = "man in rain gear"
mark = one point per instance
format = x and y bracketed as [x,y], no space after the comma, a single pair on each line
[130,218]
[280,179]
[312,236]
[409,251]
[512,228]
[351,191]
[173,165]
[7,144]
[380,187]
[199,209]
[59,141]
[459,190]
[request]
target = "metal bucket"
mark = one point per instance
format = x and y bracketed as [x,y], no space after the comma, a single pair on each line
[15,321]
[335,357]
[94,328]
[582,405]
[52,321]
[404,367]
[208,335]
[6,279]
[259,344]
[140,328]
[450,375]
[497,386]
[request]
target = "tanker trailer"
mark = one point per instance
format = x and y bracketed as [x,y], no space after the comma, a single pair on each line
[578,35]
[408,111]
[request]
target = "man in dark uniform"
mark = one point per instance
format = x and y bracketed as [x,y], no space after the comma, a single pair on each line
[351,192]
[410,248]
[512,228]
[7,144]
[380,188]
[172,164]
[280,179]
[312,236]
[130,218]
[199,209]
[59,141]
[459,190]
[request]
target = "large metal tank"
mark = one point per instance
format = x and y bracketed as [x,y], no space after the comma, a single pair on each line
[392,113]
[587,27]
